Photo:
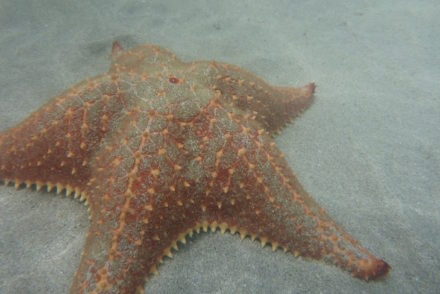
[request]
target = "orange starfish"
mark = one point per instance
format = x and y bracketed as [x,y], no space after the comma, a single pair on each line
[159,148]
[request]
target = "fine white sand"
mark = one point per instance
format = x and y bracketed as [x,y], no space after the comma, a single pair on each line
[367,150]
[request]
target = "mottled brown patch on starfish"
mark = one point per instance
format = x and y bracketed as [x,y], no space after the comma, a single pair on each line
[158,149]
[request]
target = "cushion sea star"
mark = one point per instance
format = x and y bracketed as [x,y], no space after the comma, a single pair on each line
[159,148]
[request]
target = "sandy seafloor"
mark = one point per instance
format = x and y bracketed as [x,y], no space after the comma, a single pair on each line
[368,150]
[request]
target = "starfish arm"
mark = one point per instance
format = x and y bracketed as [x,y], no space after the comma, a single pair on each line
[53,145]
[272,106]
[140,206]
[141,60]
[256,193]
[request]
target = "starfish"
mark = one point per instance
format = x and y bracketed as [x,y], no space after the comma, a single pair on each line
[159,149]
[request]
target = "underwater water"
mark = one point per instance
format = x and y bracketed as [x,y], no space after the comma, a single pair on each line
[367,150]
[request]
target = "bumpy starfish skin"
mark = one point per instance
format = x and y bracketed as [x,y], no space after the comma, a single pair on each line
[160,148]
